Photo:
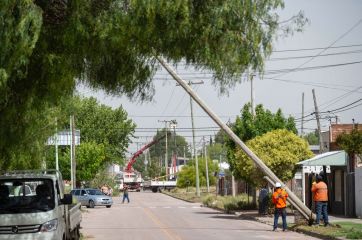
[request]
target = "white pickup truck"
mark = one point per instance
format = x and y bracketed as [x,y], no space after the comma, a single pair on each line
[33,205]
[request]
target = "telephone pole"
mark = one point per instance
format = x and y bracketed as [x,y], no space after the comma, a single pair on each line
[321,149]
[206,165]
[194,143]
[302,127]
[293,199]
[166,145]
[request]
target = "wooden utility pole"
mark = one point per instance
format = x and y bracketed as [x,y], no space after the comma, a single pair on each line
[321,149]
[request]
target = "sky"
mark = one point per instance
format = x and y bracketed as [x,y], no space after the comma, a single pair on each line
[326,56]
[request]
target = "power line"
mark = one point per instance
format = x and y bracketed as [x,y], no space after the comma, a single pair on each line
[316,48]
[325,49]
[309,56]
[350,104]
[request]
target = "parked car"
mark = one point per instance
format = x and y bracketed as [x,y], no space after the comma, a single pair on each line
[92,197]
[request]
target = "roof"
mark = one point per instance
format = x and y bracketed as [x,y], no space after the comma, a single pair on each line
[335,158]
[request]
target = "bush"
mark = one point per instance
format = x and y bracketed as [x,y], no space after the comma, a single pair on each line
[229,203]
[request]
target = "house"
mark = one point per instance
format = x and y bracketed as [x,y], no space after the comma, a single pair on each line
[335,165]
[344,177]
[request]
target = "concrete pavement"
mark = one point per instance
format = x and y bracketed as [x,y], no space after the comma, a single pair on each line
[157,216]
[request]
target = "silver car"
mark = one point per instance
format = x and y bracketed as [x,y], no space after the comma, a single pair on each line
[92,197]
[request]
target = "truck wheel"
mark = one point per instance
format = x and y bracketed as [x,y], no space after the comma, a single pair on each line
[154,189]
[91,204]
[109,206]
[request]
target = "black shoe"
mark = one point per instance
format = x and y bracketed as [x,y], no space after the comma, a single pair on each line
[327,225]
[274,229]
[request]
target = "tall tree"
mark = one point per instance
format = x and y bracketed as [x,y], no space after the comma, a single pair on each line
[280,150]
[47,47]
[352,144]
[248,127]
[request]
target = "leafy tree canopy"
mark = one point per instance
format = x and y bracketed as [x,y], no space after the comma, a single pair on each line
[47,47]
[279,149]
[312,138]
[187,175]
[248,127]
[351,142]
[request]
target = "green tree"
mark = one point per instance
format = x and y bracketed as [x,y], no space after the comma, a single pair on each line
[248,127]
[48,47]
[187,175]
[279,149]
[90,158]
[352,144]
[312,138]
[103,125]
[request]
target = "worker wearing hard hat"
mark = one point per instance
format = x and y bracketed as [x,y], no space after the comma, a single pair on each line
[280,201]
[320,191]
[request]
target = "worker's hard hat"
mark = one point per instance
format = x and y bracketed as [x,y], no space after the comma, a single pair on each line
[278,184]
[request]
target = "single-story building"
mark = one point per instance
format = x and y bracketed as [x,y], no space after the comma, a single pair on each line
[341,200]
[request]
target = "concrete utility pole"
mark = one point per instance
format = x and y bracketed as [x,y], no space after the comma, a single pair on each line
[194,149]
[166,155]
[73,153]
[302,127]
[296,202]
[252,94]
[321,148]
[56,145]
[194,141]
[206,165]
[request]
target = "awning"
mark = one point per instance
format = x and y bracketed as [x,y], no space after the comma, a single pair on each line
[335,158]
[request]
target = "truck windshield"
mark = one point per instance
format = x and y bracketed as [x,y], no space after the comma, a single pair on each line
[26,195]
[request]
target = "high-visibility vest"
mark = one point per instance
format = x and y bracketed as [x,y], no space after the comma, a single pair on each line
[320,191]
[280,198]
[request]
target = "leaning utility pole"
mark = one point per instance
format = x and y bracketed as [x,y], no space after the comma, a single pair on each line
[296,202]
[321,149]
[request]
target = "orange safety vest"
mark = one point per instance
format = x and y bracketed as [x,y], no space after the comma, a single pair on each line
[320,191]
[280,198]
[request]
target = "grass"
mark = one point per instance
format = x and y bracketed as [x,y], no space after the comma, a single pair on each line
[227,203]
[348,230]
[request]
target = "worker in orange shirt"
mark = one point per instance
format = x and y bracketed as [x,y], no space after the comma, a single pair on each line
[320,198]
[280,201]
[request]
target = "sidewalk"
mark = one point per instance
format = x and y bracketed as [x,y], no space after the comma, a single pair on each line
[269,219]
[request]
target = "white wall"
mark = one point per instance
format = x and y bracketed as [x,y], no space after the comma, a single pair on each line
[358,186]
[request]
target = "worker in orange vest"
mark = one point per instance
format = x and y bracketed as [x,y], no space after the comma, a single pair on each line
[320,198]
[280,201]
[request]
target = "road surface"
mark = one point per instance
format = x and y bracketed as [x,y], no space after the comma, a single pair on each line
[155,216]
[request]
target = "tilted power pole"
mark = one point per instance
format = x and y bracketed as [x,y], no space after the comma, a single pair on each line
[293,199]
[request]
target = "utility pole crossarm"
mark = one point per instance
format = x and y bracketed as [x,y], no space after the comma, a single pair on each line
[260,164]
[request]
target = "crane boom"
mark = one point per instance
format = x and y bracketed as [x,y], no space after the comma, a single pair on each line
[139,152]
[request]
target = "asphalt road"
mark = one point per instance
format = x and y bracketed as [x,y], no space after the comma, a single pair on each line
[157,216]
